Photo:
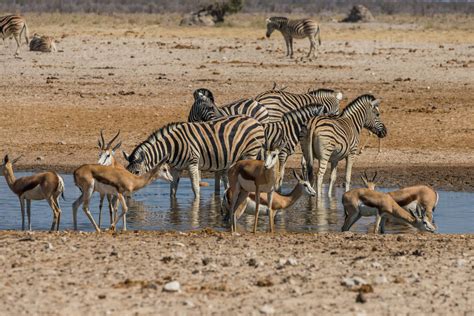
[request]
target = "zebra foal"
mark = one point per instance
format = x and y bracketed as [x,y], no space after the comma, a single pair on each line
[14,25]
[279,102]
[298,29]
[331,139]
[208,146]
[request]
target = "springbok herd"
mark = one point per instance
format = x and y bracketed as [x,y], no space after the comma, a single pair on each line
[241,142]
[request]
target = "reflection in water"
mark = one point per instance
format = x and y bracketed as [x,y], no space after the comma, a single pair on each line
[153,209]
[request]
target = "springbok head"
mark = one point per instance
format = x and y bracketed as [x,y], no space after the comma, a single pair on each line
[106,151]
[370,184]
[421,220]
[272,150]
[303,180]
[7,164]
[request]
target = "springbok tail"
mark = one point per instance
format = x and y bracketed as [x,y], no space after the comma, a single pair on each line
[436,203]
[61,187]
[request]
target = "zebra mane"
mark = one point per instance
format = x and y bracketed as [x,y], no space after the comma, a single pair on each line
[323,90]
[153,138]
[358,101]
[278,19]
[298,110]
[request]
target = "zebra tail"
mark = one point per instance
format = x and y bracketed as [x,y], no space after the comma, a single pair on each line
[319,35]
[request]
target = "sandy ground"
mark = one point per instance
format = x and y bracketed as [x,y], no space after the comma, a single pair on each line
[136,74]
[298,274]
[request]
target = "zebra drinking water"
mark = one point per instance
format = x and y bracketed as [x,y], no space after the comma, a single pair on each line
[295,29]
[208,146]
[331,139]
[279,102]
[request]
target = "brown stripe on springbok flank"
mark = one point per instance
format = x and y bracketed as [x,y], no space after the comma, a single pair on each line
[26,184]
[104,180]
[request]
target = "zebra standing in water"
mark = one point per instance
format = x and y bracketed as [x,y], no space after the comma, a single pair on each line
[295,29]
[331,139]
[14,25]
[209,146]
[204,108]
[278,102]
[288,130]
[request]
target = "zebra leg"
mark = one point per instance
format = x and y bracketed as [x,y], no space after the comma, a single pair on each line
[174,184]
[287,42]
[333,176]
[291,47]
[349,162]
[217,182]
[311,45]
[17,45]
[323,163]
[282,162]
[225,179]
[194,173]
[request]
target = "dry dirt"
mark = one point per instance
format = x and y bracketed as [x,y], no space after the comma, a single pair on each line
[298,274]
[133,74]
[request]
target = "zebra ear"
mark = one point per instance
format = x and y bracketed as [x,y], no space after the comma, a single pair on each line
[126,156]
[375,103]
[268,20]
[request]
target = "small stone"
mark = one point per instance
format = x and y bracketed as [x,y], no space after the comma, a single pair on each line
[291,261]
[101,296]
[62,142]
[179,244]
[360,298]
[252,262]
[399,280]
[381,279]
[188,303]
[114,253]
[48,246]
[460,263]
[376,265]
[353,282]
[266,282]
[267,309]
[173,286]
[40,158]
[206,261]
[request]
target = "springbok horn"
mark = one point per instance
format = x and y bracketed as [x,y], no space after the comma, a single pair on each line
[101,140]
[375,176]
[16,159]
[274,85]
[112,140]
[365,176]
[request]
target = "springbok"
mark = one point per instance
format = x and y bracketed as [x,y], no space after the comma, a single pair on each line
[257,176]
[409,198]
[109,180]
[279,201]
[41,186]
[366,202]
[107,158]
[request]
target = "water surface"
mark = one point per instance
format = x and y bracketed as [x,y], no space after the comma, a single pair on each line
[153,209]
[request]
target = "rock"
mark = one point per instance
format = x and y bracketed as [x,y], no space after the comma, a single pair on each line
[267,309]
[40,158]
[282,262]
[353,282]
[197,19]
[188,303]
[358,13]
[460,263]
[376,265]
[173,286]
[62,142]
[266,282]
[291,261]
[381,279]
[48,246]
[206,261]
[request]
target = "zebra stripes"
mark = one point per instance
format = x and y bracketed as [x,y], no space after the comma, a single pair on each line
[295,29]
[205,109]
[279,102]
[14,25]
[331,139]
[288,130]
[209,146]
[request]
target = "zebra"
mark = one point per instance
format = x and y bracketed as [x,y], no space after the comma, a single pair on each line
[208,146]
[295,29]
[278,102]
[205,109]
[289,131]
[14,25]
[331,139]
[43,44]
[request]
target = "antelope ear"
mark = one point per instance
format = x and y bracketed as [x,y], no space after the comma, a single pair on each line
[164,159]
[126,156]
[6,159]
[117,146]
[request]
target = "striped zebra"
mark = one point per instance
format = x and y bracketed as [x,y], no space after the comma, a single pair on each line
[295,29]
[43,44]
[204,108]
[14,25]
[208,146]
[331,139]
[288,130]
[278,102]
